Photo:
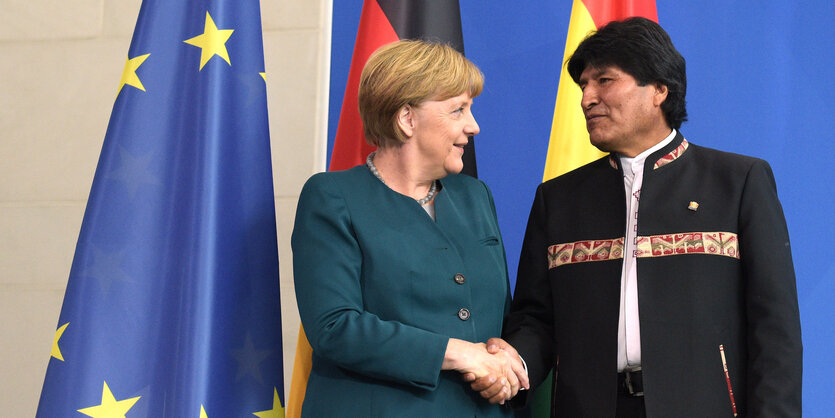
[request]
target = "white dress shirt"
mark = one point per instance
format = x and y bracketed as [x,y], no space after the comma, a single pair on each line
[629,327]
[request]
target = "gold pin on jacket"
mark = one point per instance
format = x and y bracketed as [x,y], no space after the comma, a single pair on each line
[693,206]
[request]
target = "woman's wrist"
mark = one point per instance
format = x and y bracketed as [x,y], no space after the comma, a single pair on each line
[453,356]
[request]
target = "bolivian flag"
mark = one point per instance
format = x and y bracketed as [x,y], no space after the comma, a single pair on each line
[569,145]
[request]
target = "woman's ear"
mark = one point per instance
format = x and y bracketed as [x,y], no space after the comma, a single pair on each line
[405,120]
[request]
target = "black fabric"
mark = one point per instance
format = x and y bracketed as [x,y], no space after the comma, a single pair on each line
[436,20]
[630,406]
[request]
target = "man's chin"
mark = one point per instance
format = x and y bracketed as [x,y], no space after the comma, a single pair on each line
[600,144]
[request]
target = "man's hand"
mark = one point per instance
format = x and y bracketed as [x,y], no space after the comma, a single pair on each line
[474,359]
[489,386]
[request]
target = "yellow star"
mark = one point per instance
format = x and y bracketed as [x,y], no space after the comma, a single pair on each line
[110,407]
[203,412]
[264,76]
[212,42]
[56,351]
[276,412]
[129,76]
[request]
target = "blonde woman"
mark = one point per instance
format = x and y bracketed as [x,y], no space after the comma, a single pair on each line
[399,266]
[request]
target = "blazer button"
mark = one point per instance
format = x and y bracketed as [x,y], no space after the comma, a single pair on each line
[463,314]
[459,278]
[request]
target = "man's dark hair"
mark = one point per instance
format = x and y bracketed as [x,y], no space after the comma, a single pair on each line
[641,48]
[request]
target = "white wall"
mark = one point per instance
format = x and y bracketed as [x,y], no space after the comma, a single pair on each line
[60,64]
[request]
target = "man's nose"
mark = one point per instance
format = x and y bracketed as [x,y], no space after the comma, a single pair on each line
[590,97]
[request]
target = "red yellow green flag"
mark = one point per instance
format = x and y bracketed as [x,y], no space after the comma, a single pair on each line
[569,145]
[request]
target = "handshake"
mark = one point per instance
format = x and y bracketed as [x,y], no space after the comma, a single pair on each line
[494,369]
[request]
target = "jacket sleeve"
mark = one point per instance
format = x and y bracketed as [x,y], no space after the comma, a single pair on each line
[774,346]
[506,308]
[529,326]
[327,266]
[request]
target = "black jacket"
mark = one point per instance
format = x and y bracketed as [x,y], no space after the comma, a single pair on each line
[719,275]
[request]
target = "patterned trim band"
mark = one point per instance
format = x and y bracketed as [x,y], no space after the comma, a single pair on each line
[672,155]
[666,159]
[711,243]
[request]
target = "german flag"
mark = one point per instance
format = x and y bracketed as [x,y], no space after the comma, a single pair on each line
[381,22]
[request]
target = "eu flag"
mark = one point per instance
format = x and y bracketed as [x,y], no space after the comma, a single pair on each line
[172,305]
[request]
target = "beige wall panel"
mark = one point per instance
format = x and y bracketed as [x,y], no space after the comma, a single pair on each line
[54,110]
[28,328]
[290,14]
[38,242]
[49,19]
[120,18]
[291,63]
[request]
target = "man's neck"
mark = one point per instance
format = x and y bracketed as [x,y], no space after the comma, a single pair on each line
[642,147]
[658,145]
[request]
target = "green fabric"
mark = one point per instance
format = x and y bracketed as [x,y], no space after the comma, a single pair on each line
[540,405]
[374,278]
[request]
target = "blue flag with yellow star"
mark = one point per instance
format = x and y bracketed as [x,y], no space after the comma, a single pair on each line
[172,304]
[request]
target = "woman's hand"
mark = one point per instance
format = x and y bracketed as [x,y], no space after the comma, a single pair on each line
[495,371]
[488,388]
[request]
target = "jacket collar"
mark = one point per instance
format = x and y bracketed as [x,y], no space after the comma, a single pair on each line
[662,157]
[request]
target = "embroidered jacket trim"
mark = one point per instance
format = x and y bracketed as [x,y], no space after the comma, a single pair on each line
[672,156]
[710,243]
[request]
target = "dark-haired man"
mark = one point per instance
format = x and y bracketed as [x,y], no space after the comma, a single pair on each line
[658,280]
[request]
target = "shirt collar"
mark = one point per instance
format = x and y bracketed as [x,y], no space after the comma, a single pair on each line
[636,162]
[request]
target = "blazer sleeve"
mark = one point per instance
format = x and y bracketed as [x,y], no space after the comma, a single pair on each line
[775,352]
[529,326]
[327,265]
[506,308]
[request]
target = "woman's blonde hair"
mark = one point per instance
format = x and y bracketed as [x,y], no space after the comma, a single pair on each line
[410,72]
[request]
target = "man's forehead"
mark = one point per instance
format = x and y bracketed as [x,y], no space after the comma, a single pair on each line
[596,70]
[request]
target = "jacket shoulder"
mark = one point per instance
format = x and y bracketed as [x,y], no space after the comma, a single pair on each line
[593,172]
[336,179]
[464,183]
[724,156]
[712,160]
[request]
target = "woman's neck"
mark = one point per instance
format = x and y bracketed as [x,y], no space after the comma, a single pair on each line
[402,173]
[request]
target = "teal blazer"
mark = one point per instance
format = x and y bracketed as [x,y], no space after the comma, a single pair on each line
[381,288]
